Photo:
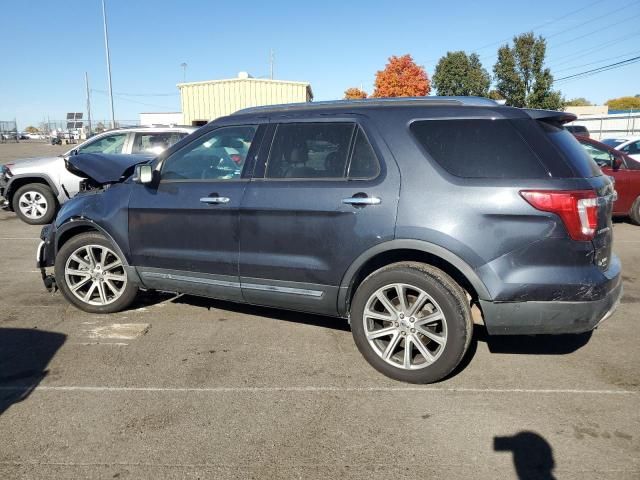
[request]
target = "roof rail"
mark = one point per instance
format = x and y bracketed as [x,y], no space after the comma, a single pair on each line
[374,102]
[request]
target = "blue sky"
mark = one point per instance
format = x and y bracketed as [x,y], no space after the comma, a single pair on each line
[47,46]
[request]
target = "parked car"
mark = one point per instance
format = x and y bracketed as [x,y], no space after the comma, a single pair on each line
[626,172]
[395,214]
[578,130]
[35,188]
[629,145]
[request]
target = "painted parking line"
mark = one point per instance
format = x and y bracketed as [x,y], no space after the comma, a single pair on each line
[312,389]
[19,238]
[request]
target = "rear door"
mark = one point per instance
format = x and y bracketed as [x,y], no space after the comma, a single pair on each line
[324,191]
[184,231]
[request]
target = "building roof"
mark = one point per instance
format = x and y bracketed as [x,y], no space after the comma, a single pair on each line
[247,79]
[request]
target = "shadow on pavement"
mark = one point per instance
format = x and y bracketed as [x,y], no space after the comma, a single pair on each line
[272,313]
[531,344]
[24,356]
[532,455]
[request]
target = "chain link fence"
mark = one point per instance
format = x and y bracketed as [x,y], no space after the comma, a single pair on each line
[8,131]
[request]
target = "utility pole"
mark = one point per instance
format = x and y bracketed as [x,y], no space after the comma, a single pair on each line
[106,46]
[86,81]
[271,64]
[184,72]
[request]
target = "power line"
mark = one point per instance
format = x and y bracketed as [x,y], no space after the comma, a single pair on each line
[605,68]
[602,46]
[608,59]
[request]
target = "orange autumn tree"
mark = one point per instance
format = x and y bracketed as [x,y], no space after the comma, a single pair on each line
[354,93]
[402,77]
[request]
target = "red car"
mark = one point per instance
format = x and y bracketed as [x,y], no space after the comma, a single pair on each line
[626,172]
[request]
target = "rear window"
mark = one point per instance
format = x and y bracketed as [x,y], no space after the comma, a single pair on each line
[574,153]
[479,148]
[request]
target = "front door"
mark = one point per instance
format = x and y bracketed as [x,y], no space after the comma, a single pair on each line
[324,197]
[184,230]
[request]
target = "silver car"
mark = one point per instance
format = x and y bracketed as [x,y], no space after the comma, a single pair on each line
[35,188]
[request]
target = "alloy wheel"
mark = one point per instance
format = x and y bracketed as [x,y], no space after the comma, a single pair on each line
[95,275]
[405,326]
[33,205]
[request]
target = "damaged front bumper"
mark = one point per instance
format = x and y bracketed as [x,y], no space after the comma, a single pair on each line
[45,256]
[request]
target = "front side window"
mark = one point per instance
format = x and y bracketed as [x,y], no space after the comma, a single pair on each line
[217,155]
[310,150]
[155,143]
[109,144]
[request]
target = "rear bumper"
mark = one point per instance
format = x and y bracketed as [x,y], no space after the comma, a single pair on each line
[555,317]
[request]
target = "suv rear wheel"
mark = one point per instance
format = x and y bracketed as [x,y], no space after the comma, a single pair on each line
[35,204]
[635,212]
[412,322]
[91,275]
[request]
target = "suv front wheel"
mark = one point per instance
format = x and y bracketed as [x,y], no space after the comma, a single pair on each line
[35,204]
[91,275]
[412,322]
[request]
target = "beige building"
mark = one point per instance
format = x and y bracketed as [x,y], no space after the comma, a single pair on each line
[588,110]
[208,100]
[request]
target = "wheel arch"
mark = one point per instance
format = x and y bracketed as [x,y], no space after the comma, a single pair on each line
[76,226]
[408,250]
[20,180]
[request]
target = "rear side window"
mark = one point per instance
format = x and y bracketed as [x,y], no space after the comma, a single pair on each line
[155,143]
[479,148]
[310,150]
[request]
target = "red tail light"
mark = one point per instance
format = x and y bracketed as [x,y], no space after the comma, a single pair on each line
[236,158]
[578,209]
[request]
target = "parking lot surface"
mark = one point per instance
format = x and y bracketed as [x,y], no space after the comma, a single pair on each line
[182,387]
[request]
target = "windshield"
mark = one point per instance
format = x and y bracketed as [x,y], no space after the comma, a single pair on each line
[613,142]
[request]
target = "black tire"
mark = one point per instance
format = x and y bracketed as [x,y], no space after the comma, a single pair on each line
[93,238]
[634,214]
[43,190]
[452,301]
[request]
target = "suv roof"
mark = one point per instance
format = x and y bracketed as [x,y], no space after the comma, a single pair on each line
[375,102]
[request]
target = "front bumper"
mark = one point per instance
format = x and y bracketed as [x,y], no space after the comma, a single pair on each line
[555,317]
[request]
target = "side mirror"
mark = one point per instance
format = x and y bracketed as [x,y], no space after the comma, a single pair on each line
[143,174]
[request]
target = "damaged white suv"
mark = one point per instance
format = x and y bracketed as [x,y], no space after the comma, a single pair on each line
[35,188]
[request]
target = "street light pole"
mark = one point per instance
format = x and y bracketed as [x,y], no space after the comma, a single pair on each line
[106,46]
[184,72]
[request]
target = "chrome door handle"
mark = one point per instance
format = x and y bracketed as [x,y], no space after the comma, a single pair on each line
[362,201]
[215,200]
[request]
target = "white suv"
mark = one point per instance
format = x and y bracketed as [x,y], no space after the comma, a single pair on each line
[35,188]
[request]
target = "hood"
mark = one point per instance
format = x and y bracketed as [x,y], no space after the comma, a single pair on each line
[104,168]
[39,163]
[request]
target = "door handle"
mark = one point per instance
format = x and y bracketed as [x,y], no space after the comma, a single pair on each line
[214,200]
[362,201]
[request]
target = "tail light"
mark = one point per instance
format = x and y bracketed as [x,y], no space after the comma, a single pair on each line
[236,158]
[578,209]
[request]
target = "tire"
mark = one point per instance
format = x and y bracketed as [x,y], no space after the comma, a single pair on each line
[35,204]
[443,301]
[634,214]
[111,289]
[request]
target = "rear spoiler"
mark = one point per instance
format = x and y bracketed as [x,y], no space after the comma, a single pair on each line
[551,116]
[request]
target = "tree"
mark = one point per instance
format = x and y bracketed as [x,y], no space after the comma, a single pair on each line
[401,77]
[624,103]
[460,74]
[354,93]
[31,129]
[495,95]
[521,77]
[578,102]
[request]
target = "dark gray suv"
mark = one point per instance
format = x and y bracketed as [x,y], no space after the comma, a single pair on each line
[397,215]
